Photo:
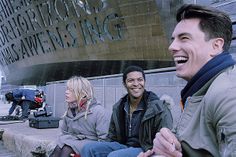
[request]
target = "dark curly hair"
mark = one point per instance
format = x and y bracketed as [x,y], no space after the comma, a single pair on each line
[132,68]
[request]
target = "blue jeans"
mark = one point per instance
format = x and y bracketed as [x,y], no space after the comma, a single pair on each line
[26,105]
[109,149]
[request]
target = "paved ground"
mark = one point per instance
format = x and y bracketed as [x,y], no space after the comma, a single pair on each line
[21,139]
[5,152]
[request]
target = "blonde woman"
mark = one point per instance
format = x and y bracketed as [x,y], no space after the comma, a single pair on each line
[84,121]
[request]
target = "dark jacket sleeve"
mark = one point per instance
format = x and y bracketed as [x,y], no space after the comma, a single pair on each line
[166,117]
[157,116]
[112,133]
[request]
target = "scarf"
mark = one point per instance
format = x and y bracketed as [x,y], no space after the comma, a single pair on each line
[83,106]
[208,71]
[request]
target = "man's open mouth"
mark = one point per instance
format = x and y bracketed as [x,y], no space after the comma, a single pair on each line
[180,60]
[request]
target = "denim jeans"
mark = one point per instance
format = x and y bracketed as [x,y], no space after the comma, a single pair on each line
[109,149]
[26,105]
[25,108]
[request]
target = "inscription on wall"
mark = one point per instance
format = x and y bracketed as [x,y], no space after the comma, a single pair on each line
[32,27]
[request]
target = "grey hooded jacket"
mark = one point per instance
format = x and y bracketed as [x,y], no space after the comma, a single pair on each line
[77,131]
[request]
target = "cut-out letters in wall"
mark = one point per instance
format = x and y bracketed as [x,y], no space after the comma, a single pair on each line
[32,27]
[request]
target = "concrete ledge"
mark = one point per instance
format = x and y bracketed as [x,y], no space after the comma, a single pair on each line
[22,139]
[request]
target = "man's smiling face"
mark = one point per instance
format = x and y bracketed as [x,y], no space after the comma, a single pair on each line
[189,48]
[135,84]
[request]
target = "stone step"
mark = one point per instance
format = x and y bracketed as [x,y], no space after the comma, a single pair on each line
[4,152]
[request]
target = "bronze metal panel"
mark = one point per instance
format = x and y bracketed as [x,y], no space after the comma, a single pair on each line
[35,33]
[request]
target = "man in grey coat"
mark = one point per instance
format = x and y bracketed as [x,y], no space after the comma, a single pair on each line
[207,126]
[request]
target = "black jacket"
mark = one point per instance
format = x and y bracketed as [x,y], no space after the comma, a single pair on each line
[156,116]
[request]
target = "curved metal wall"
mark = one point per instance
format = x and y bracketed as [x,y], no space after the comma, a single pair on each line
[51,40]
[60,32]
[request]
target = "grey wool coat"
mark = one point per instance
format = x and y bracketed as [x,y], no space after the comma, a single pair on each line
[77,131]
[207,127]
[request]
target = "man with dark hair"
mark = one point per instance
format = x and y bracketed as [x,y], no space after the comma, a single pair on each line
[24,98]
[134,122]
[207,126]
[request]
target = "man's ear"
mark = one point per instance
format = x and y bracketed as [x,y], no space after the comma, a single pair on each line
[217,45]
[124,84]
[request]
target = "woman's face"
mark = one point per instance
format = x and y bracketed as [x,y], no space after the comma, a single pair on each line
[70,96]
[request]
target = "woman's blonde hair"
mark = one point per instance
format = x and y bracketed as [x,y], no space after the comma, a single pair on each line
[81,87]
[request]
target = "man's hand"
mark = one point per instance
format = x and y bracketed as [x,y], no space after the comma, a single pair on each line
[146,154]
[166,144]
